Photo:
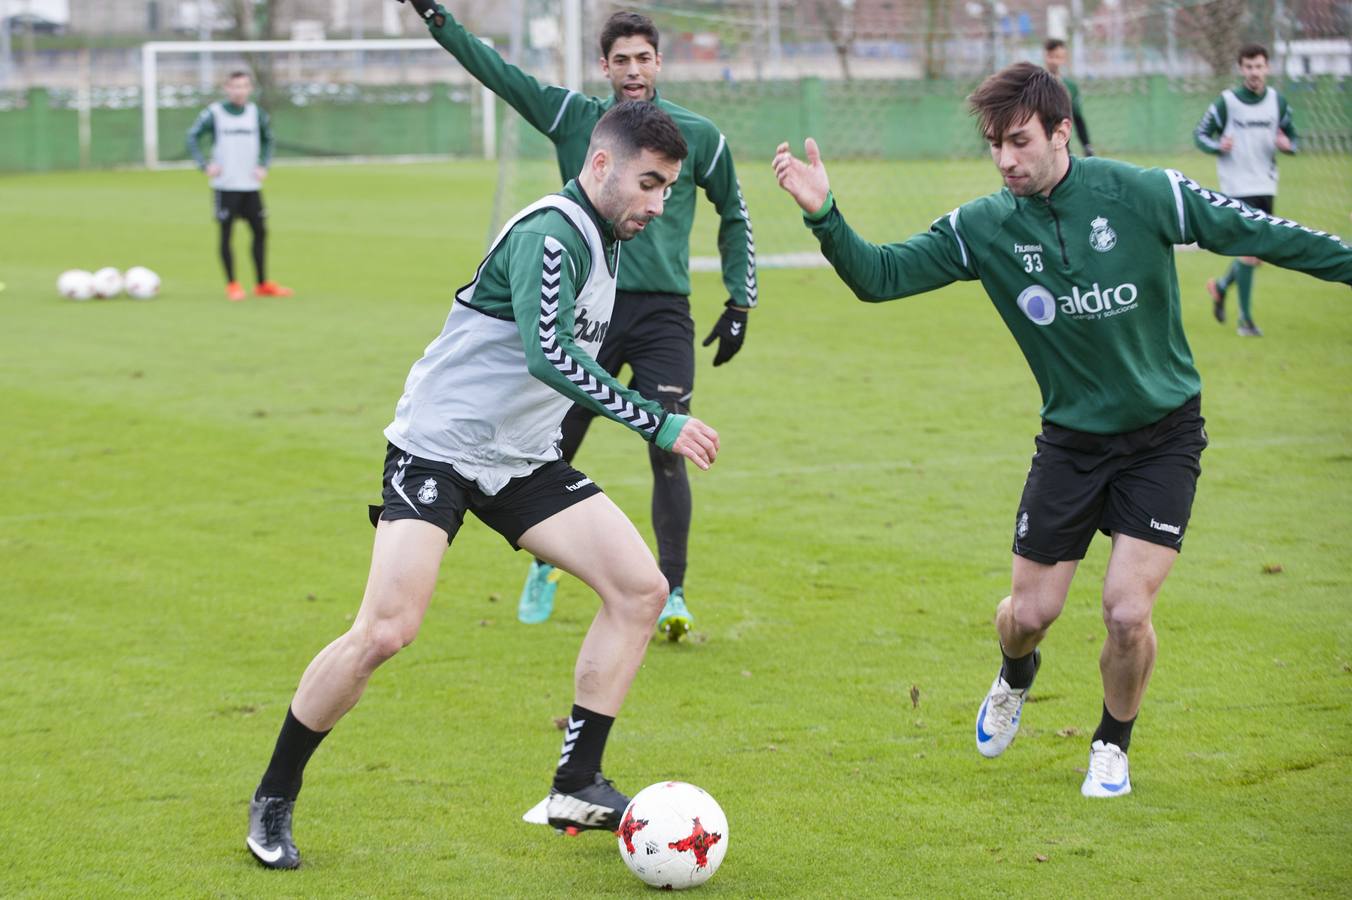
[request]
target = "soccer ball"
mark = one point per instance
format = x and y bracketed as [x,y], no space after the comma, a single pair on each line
[107,282]
[141,283]
[673,835]
[75,284]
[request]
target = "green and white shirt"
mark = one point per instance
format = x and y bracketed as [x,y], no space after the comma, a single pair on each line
[241,141]
[658,260]
[1252,122]
[519,349]
[1084,279]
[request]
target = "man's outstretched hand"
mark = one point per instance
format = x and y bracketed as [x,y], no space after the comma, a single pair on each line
[806,182]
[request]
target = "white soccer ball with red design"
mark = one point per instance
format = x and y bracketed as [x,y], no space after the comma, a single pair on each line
[141,283]
[75,284]
[673,835]
[107,282]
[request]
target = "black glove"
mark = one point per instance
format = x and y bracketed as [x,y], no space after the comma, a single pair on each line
[1088,150]
[730,331]
[427,11]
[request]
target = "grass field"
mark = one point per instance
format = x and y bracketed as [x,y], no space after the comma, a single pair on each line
[184,525]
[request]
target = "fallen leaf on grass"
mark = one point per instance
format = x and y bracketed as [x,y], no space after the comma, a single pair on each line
[915,696]
[560,722]
[1071,731]
[1040,857]
[1272,568]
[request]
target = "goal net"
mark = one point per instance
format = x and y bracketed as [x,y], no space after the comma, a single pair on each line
[328,99]
[882,88]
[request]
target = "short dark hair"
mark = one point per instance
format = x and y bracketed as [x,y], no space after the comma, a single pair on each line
[1249,51]
[238,73]
[626,24]
[1014,94]
[1052,44]
[636,125]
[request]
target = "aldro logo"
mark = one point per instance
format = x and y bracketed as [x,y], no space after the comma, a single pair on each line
[1040,306]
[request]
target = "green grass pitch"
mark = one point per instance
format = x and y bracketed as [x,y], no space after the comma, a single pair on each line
[184,526]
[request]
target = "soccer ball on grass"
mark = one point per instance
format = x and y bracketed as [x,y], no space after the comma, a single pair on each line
[141,283]
[75,284]
[107,282]
[673,835]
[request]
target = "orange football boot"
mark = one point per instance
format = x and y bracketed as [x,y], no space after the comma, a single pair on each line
[234,292]
[272,289]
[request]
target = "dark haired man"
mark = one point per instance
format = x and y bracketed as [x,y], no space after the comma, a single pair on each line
[477,429]
[240,153]
[1055,54]
[652,330]
[1244,128]
[1077,257]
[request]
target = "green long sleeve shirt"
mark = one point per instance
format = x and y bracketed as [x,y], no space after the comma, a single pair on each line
[1084,279]
[658,259]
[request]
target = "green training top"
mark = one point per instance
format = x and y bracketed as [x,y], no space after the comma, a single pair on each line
[658,259]
[1084,279]
[1076,113]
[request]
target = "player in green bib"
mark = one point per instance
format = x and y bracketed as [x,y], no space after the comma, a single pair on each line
[652,331]
[1077,256]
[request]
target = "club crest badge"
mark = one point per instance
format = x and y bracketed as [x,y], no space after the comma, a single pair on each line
[427,494]
[1101,237]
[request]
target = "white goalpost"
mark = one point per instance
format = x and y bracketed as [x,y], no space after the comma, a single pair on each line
[152,52]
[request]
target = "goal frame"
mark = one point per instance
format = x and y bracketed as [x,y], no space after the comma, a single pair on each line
[152,50]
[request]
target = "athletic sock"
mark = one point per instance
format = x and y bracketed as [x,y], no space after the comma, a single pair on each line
[1245,281]
[259,252]
[584,740]
[1112,731]
[1223,283]
[295,744]
[1018,671]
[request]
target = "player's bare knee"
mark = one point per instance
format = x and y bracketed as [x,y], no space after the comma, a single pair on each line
[1127,618]
[1029,616]
[383,639]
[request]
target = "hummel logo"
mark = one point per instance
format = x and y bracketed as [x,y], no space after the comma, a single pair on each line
[736,328]
[1160,526]
[268,856]
[576,485]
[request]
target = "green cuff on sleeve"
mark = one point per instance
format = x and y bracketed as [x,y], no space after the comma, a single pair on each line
[669,429]
[830,204]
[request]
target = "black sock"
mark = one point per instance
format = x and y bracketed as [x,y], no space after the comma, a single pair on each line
[1111,731]
[259,249]
[227,257]
[584,740]
[295,743]
[1018,672]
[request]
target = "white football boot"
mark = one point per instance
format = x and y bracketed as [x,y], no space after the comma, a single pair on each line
[1107,775]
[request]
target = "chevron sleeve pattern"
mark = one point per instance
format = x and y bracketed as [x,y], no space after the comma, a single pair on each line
[736,242]
[1227,226]
[546,278]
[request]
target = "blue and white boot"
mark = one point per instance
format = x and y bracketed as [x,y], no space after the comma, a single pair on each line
[998,719]
[675,620]
[537,597]
[1107,775]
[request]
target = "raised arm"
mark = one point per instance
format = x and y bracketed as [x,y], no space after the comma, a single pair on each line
[1225,225]
[874,272]
[543,106]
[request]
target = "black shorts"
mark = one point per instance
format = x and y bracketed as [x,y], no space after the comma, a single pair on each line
[1140,483]
[231,205]
[416,488]
[1264,202]
[654,335]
